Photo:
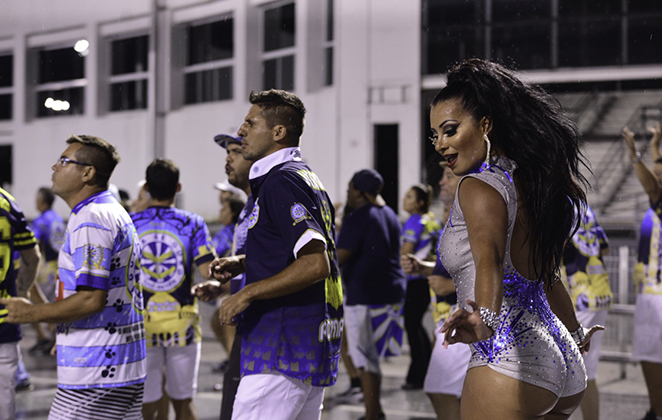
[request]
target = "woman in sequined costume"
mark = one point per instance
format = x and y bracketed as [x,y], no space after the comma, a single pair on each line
[503,242]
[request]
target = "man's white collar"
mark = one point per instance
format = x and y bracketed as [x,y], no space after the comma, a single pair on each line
[265,164]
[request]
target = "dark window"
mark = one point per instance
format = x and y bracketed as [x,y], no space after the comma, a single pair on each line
[642,6]
[278,73]
[60,65]
[128,95]
[329,20]
[209,85]
[589,42]
[446,46]
[452,30]
[6,107]
[6,70]
[583,8]
[535,53]
[211,41]
[520,10]
[67,101]
[130,55]
[328,68]
[211,44]
[440,13]
[645,40]
[279,27]
[6,164]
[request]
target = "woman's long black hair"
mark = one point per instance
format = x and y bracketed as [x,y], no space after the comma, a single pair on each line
[529,127]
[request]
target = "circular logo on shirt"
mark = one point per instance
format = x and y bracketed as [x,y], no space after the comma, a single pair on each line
[255,214]
[162,261]
[298,212]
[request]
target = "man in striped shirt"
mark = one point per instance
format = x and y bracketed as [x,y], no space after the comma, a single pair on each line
[98,308]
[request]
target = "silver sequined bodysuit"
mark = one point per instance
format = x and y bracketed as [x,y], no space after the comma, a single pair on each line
[530,343]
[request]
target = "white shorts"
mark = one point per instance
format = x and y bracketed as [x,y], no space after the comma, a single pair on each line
[447,368]
[9,355]
[373,332]
[180,365]
[647,339]
[589,319]
[275,396]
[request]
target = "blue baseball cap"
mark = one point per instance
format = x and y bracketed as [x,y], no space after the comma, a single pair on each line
[224,139]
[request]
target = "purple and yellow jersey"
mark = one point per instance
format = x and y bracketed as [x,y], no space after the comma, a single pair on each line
[647,276]
[298,334]
[49,231]
[102,251]
[583,269]
[15,235]
[174,242]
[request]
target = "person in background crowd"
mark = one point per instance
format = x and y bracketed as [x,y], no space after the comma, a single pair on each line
[448,366]
[369,254]
[236,168]
[48,229]
[17,244]
[419,237]
[646,343]
[172,240]
[585,275]
[98,292]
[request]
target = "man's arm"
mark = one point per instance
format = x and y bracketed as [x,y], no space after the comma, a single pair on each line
[87,301]
[312,265]
[27,273]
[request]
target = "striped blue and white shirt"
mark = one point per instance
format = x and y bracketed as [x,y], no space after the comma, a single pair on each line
[102,251]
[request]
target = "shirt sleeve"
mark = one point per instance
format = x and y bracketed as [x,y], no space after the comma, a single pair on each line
[202,251]
[413,229]
[23,235]
[291,207]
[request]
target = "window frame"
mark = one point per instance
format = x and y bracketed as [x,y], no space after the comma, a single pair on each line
[279,53]
[224,63]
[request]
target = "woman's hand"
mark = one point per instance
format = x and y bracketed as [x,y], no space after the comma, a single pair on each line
[465,327]
[585,345]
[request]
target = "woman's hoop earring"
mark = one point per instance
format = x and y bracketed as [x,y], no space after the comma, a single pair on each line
[486,164]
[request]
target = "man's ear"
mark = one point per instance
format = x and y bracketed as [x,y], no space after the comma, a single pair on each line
[279,132]
[89,173]
[179,187]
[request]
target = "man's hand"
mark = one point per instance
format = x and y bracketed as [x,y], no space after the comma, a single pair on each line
[410,263]
[208,290]
[233,306]
[224,269]
[17,310]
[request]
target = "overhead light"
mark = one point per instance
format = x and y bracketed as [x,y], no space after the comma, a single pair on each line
[81,46]
[57,105]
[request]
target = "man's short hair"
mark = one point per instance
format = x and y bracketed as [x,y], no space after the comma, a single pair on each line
[46,196]
[162,178]
[281,108]
[96,152]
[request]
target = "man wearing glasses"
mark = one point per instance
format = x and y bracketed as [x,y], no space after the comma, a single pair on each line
[98,308]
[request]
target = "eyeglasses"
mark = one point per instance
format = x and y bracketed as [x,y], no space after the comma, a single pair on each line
[434,139]
[64,161]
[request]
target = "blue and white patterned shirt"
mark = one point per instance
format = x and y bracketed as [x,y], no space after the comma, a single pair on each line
[102,251]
